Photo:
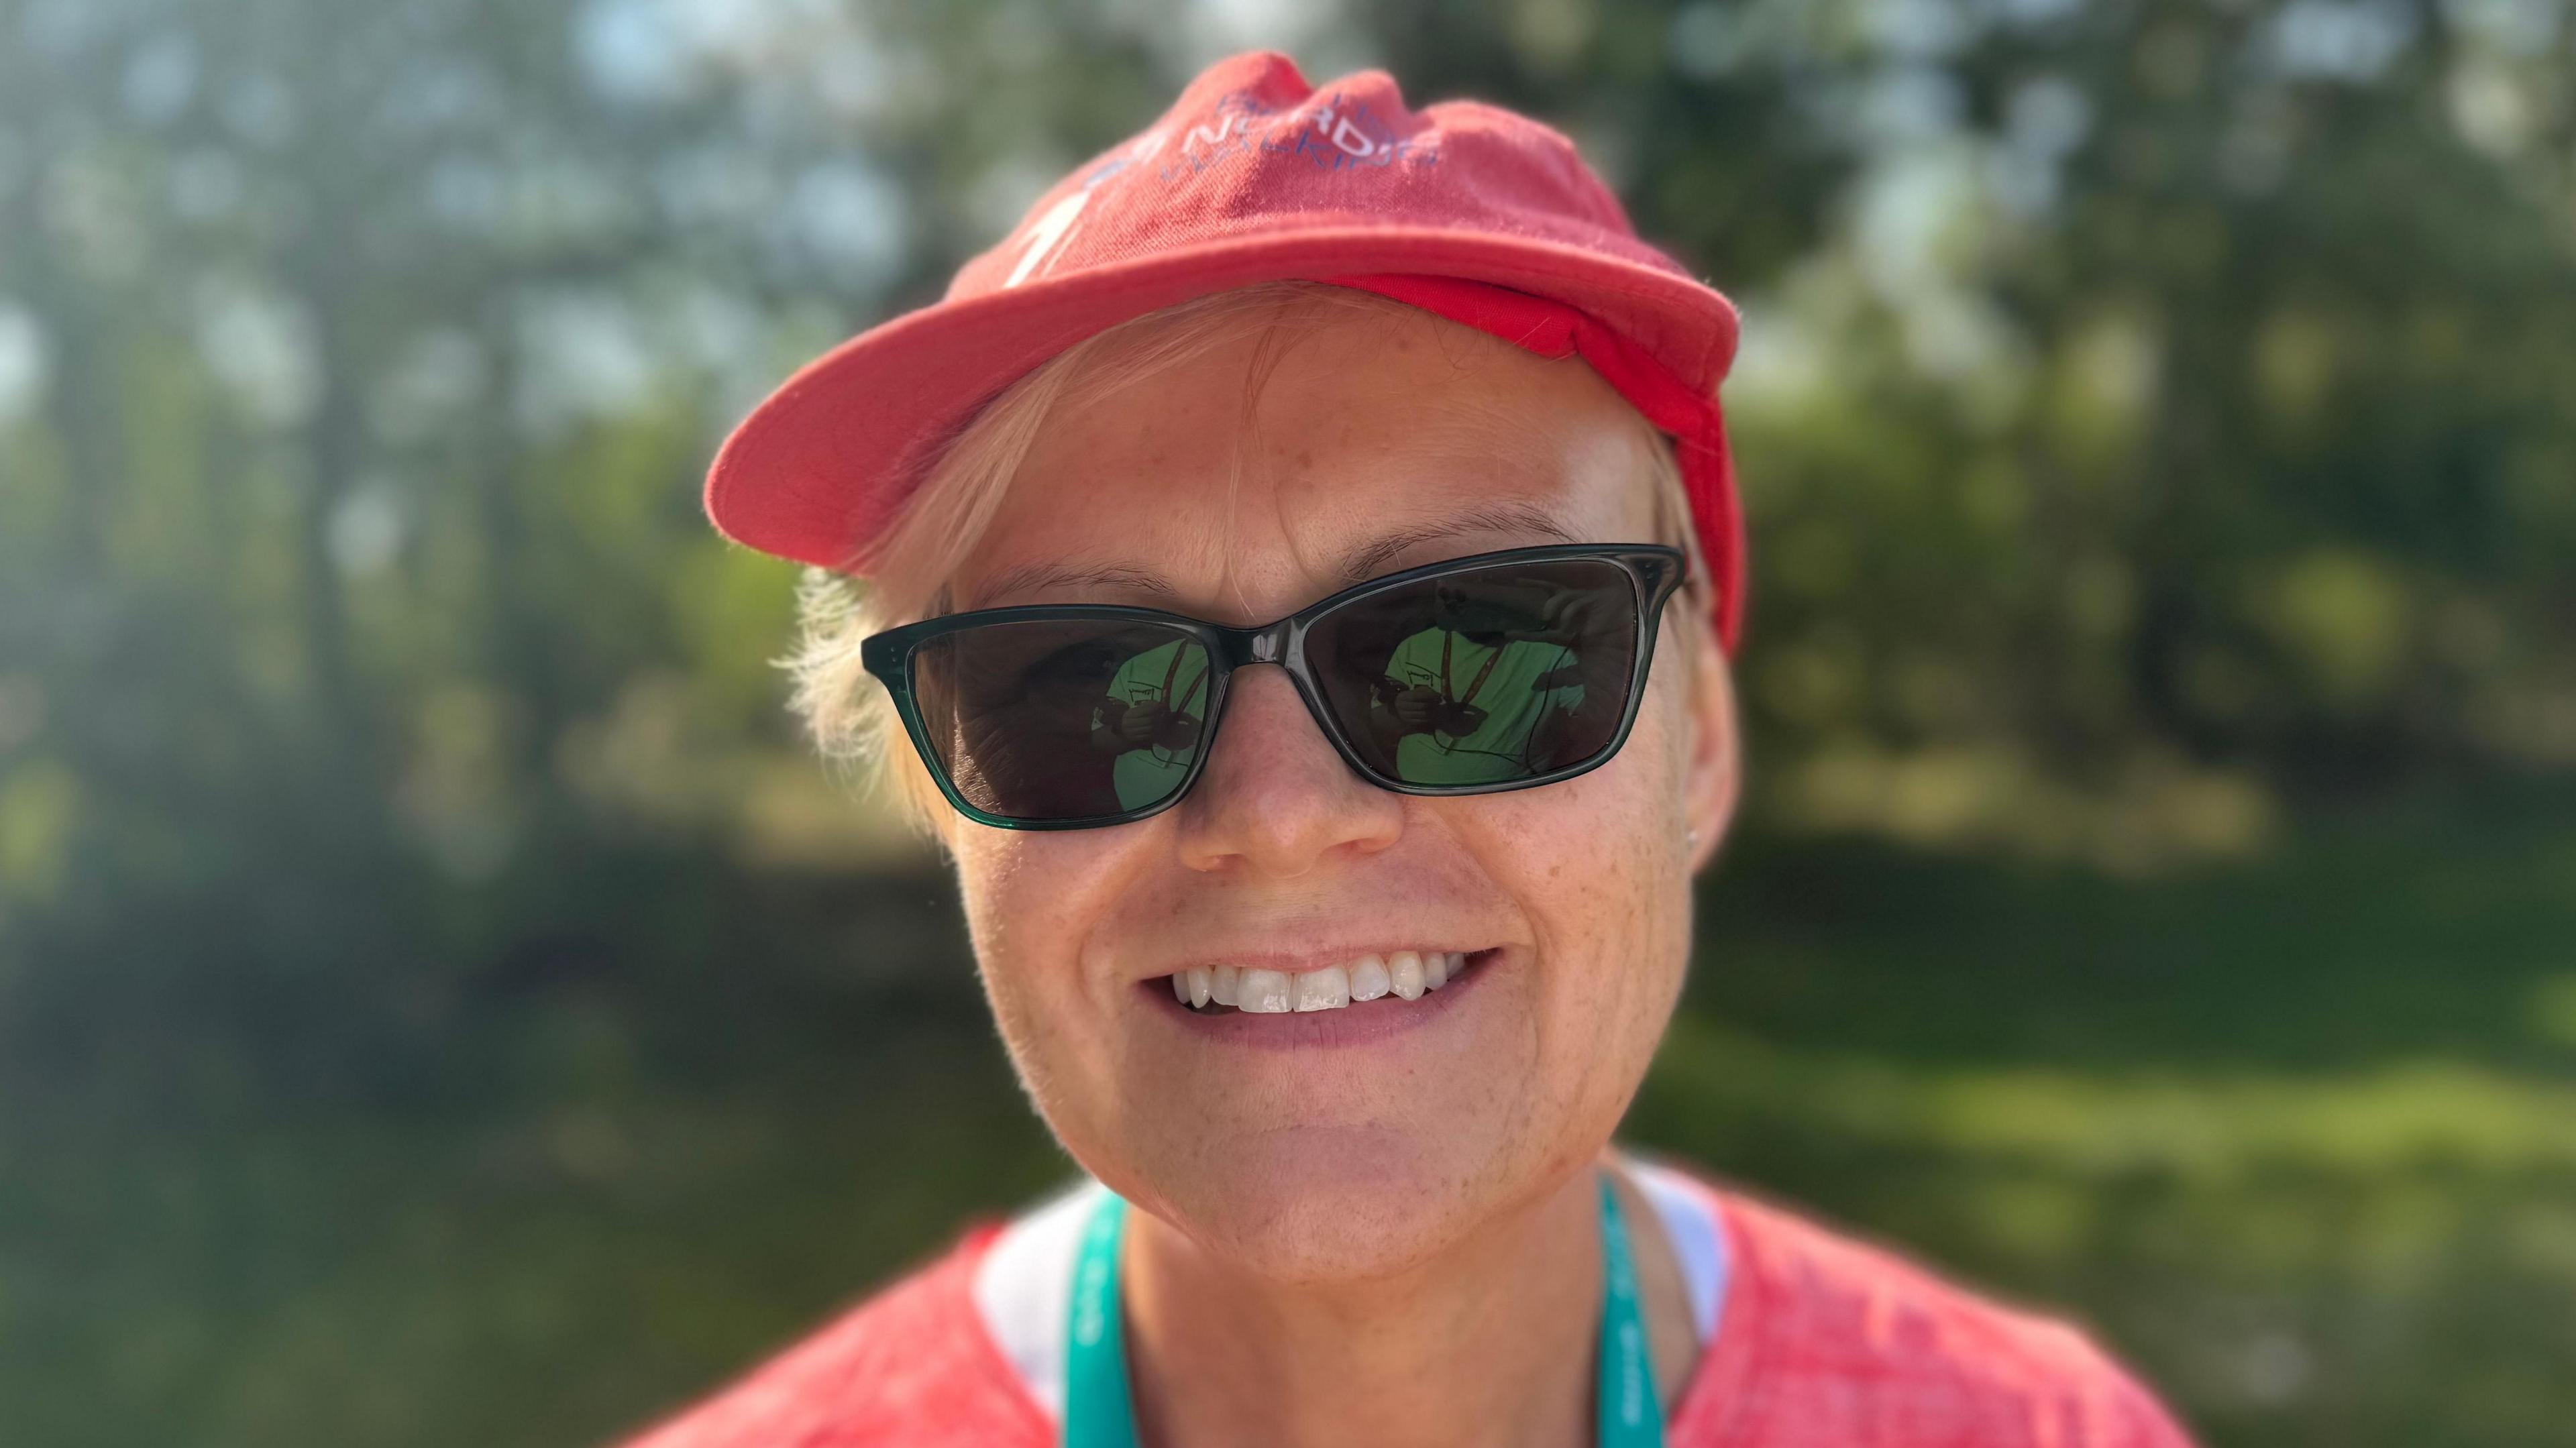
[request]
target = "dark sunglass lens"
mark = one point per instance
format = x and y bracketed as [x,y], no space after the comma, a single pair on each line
[1486,676]
[1056,720]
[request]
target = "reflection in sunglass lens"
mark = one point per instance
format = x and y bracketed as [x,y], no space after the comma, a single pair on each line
[1064,720]
[1482,677]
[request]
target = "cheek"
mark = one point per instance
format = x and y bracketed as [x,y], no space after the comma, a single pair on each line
[1021,889]
[1599,867]
[1032,902]
[1608,845]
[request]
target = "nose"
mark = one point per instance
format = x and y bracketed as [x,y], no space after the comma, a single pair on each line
[1275,799]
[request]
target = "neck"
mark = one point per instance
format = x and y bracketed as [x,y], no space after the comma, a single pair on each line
[1490,1343]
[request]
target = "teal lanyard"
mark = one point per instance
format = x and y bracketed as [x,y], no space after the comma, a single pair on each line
[1098,1413]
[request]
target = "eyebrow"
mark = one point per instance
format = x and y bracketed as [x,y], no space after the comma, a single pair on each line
[1369,560]
[1049,577]
[1360,565]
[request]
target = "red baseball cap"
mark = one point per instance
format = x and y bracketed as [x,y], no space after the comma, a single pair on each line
[1485,217]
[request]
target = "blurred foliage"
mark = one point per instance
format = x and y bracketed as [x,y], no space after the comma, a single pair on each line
[438,1002]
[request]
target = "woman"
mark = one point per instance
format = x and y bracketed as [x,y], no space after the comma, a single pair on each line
[1301,563]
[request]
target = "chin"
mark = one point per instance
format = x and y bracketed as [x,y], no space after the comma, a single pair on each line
[1320,1203]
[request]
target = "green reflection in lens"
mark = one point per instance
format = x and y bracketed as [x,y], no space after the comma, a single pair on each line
[1152,722]
[1473,713]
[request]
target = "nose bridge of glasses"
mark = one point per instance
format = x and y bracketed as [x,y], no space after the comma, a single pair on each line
[1265,645]
[1279,643]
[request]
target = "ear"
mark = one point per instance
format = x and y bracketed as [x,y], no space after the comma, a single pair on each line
[1714,772]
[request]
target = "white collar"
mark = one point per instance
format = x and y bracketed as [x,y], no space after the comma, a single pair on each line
[1024,1283]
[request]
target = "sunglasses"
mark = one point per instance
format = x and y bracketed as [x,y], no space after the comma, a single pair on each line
[1492,672]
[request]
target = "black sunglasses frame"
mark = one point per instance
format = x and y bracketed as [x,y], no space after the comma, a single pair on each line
[1654,571]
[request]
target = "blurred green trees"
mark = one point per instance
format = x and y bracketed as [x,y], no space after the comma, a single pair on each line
[2157,416]
[418,924]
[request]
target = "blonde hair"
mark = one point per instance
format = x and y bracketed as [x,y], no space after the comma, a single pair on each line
[906,573]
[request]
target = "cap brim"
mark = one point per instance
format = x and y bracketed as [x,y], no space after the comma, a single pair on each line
[819,469]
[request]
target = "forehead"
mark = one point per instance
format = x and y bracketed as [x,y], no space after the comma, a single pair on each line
[1281,463]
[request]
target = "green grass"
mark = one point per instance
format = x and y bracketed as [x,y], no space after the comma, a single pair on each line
[2298,1138]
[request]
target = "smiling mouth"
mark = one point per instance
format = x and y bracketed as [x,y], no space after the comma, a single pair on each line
[1406,975]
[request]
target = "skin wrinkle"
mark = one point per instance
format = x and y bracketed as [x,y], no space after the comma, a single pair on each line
[1394,1242]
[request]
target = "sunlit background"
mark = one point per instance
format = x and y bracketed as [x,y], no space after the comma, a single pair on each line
[441,1004]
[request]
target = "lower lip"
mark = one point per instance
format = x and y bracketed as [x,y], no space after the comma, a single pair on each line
[1356,1024]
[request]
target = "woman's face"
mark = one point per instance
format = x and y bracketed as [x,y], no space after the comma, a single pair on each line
[1351,1142]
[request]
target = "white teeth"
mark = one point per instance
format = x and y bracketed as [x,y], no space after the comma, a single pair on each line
[1369,979]
[1262,992]
[1407,974]
[1323,990]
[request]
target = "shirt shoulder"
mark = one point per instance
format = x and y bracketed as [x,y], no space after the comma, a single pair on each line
[911,1365]
[1830,1341]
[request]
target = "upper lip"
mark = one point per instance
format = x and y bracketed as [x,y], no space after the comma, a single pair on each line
[1293,962]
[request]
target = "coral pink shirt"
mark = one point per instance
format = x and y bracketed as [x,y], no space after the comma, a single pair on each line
[1818,1342]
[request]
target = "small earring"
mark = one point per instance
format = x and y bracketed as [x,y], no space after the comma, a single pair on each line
[1690,837]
